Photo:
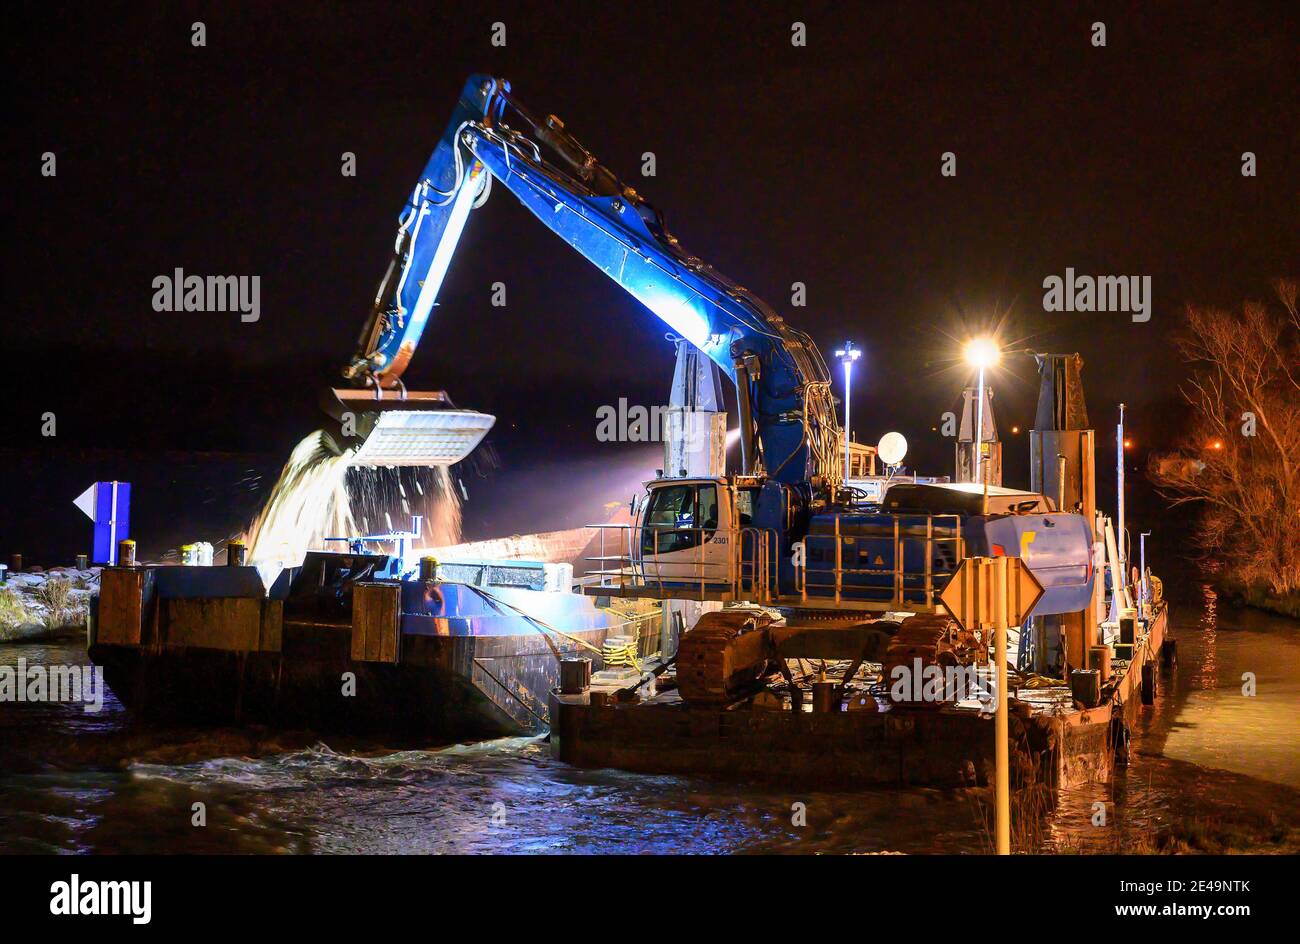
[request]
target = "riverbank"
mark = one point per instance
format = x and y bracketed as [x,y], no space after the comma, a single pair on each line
[47,604]
[1259,598]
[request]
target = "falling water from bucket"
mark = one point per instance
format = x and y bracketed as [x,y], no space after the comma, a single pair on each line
[320,495]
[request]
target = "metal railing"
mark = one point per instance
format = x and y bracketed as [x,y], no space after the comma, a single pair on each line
[741,563]
[733,563]
[894,585]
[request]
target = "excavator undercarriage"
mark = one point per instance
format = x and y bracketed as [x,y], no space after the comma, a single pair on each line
[733,654]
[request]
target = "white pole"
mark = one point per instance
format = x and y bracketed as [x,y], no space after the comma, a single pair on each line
[1002,788]
[848,390]
[1122,580]
[112,525]
[1143,593]
[979,432]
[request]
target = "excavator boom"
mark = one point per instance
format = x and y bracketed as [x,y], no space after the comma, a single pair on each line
[787,420]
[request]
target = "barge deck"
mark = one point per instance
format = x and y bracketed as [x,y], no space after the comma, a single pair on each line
[867,742]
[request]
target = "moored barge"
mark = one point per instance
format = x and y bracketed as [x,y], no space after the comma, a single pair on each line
[343,642]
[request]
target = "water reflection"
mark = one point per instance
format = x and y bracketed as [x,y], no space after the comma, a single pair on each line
[1215,722]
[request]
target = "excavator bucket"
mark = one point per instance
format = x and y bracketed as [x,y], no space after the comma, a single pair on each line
[399,428]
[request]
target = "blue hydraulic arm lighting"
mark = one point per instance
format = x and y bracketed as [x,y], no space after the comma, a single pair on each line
[787,418]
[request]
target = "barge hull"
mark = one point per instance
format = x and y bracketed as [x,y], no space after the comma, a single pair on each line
[855,748]
[327,647]
[446,687]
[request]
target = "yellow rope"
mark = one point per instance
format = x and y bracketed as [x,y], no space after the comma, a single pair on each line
[621,653]
[542,624]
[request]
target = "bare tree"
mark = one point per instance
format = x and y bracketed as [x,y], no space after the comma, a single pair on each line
[1241,454]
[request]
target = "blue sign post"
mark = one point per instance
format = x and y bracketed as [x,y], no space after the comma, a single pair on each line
[108,504]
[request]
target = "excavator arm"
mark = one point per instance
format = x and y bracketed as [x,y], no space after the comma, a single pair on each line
[787,420]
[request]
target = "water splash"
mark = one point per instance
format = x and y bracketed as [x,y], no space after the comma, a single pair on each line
[387,498]
[319,496]
[308,504]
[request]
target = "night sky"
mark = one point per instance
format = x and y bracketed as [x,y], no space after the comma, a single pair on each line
[775,163]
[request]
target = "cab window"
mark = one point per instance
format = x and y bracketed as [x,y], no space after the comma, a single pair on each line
[745,500]
[675,515]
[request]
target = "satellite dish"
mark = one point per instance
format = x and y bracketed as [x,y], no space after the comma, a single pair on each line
[891,448]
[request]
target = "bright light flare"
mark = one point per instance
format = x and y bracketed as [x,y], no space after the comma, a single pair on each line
[981,352]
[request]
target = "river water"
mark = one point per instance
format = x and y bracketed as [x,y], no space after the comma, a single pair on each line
[1211,765]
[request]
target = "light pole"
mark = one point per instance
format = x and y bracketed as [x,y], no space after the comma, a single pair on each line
[981,353]
[1144,592]
[1122,537]
[847,355]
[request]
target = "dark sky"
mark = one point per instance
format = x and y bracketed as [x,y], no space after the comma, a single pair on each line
[776,164]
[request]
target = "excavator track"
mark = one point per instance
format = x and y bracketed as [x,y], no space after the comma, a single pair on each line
[724,656]
[934,639]
[728,653]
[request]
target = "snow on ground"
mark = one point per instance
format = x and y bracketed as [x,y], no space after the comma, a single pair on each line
[49,603]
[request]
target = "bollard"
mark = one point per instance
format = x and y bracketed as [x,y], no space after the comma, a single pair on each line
[824,698]
[1002,744]
[83,562]
[16,563]
[1085,687]
[126,553]
[575,676]
[1099,659]
[428,568]
[236,554]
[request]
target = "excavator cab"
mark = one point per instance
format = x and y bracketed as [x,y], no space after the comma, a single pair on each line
[679,517]
[707,533]
[685,531]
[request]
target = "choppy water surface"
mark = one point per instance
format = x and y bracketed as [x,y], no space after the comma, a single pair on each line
[1204,755]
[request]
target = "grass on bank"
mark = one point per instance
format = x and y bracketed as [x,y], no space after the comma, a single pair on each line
[50,605]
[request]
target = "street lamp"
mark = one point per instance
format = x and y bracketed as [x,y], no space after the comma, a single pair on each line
[847,355]
[981,353]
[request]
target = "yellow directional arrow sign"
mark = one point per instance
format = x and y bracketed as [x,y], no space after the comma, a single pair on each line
[969,594]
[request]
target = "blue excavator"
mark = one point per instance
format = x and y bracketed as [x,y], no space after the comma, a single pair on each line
[822,571]
[787,424]
[783,530]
